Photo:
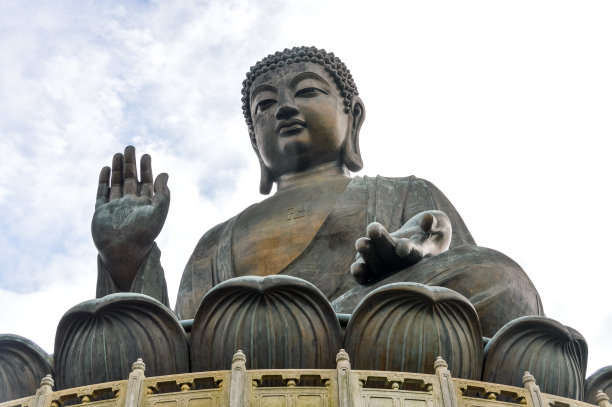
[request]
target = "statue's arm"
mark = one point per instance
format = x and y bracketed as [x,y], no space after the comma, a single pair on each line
[129,216]
[149,279]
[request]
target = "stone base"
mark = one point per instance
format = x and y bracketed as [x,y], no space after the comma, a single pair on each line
[342,387]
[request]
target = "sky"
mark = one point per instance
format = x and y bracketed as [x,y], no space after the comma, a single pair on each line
[505,106]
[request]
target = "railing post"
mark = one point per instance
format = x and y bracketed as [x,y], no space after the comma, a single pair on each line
[449,396]
[237,379]
[534,390]
[602,399]
[343,368]
[46,388]
[135,384]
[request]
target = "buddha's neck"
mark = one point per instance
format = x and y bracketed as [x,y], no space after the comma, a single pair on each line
[321,173]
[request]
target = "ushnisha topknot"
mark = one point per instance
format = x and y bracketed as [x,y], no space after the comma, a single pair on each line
[332,64]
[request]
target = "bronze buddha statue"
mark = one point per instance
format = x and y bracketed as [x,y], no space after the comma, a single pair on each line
[343,234]
[392,252]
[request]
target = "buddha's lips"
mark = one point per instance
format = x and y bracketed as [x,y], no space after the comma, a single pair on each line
[290,125]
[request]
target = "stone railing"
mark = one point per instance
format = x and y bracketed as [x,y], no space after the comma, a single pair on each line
[340,387]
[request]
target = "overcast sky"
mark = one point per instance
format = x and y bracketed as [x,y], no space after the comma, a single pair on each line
[505,106]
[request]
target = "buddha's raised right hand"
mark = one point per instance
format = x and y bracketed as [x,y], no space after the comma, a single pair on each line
[129,215]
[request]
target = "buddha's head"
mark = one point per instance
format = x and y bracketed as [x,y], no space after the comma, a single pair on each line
[302,110]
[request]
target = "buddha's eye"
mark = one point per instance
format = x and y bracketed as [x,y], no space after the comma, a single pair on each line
[309,92]
[264,104]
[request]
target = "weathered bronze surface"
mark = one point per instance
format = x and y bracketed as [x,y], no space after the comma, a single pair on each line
[129,215]
[97,340]
[497,287]
[326,258]
[22,365]
[403,326]
[346,235]
[277,321]
[304,117]
[600,380]
[554,353]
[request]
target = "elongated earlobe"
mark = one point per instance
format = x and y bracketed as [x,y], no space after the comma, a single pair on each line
[351,154]
[266,178]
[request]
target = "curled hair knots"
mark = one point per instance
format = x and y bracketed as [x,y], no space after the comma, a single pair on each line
[332,64]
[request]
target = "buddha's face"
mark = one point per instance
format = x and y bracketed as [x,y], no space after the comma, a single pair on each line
[298,117]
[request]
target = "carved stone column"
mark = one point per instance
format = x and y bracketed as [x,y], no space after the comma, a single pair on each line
[602,399]
[135,384]
[46,388]
[534,390]
[343,367]
[449,396]
[237,380]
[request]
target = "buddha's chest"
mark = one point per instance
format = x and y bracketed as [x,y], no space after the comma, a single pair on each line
[270,235]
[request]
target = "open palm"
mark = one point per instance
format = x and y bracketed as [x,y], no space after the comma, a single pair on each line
[129,214]
[378,253]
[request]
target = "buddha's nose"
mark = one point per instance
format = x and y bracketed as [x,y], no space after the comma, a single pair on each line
[286,109]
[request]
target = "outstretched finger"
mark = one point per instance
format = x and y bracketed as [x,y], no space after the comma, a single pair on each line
[370,256]
[103,190]
[361,272]
[146,174]
[408,251]
[130,173]
[383,243]
[116,190]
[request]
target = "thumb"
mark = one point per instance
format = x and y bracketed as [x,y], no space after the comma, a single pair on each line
[160,188]
[439,223]
[427,223]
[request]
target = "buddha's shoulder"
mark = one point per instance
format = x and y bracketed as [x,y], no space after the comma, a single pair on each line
[409,181]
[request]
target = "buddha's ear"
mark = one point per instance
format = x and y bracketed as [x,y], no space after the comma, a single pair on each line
[266,179]
[351,155]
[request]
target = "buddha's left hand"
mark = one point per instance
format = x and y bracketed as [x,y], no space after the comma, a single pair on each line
[380,252]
